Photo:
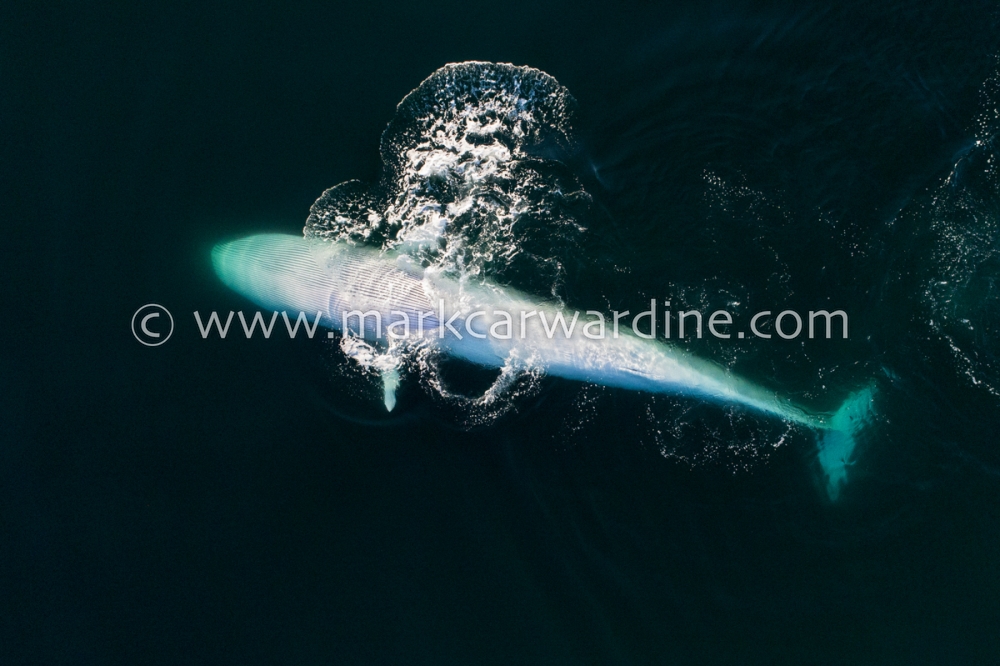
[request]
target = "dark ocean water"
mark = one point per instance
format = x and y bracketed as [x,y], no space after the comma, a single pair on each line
[250,501]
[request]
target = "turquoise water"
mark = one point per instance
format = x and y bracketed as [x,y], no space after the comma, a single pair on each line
[251,501]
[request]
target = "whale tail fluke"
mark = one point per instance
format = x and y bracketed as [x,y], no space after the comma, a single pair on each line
[836,443]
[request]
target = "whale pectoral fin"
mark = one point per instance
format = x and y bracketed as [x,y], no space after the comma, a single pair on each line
[390,382]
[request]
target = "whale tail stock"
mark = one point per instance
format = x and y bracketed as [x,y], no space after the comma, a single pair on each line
[837,441]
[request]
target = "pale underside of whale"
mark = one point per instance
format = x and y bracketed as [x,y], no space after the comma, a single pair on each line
[293,274]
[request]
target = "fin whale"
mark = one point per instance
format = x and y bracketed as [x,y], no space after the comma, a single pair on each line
[290,273]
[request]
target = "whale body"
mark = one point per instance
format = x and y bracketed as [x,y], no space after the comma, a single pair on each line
[492,325]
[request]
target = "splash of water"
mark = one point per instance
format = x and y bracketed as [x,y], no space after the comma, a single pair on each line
[472,185]
[963,294]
